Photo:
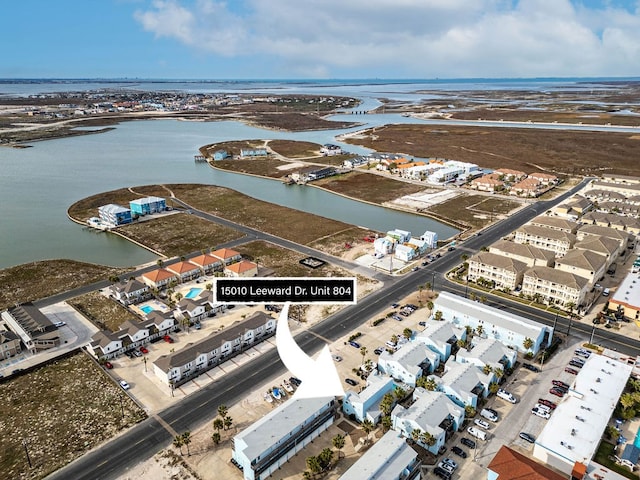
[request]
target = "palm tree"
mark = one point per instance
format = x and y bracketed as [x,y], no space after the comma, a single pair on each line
[420,288]
[479,330]
[528,343]
[430,305]
[228,421]
[493,387]
[461,343]
[178,296]
[178,442]
[367,427]
[428,439]
[394,339]
[186,439]
[407,333]
[469,411]
[487,369]
[363,352]
[415,434]
[338,443]
[218,424]
[428,285]
[386,422]
[483,299]
[400,393]
[216,437]
[499,373]
[386,405]
[438,315]
[627,400]
[223,410]
[313,464]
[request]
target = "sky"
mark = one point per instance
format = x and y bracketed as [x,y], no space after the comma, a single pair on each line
[318,39]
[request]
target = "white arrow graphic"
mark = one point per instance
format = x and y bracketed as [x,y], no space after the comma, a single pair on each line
[319,377]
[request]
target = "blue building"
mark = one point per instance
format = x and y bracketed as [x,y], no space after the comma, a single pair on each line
[366,404]
[114,214]
[147,205]
[253,152]
[220,155]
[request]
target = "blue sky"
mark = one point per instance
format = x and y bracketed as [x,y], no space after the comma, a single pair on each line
[259,39]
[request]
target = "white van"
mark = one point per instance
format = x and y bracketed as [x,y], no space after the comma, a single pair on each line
[475,432]
[489,414]
[605,292]
[503,394]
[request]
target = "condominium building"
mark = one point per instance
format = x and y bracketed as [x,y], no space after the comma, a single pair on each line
[530,255]
[366,404]
[464,383]
[608,247]
[555,223]
[147,205]
[585,263]
[440,337]
[556,241]
[503,272]
[35,330]
[555,286]
[264,446]
[488,352]
[9,344]
[130,291]
[590,231]
[409,363]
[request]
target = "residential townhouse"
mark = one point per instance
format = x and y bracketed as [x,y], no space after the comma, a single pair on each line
[487,183]
[147,205]
[530,255]
[441,337]
[574,208]
[585,263]
[159,278]
[623,238]
[545,238]
[198,308]
[355,162]
[599,195]
[620,179]
[35,330]
[253,152]
[488,352]
[628,189]
[510,175]
[528,187]
[627,224]
[508,328]
[9,344]
[114,214]
[133,335]
[226,256]
[263,447]
[243,268]
[207,263]
[366,404]
[193,360]
[131,291]
[606,246]
[106,345]
[464,383]
[409,362]
[626,208]
[544,178]
[431,412]
[505,273]
[391,457]
[555,223]
[555,286]
[159,324]
[184,270]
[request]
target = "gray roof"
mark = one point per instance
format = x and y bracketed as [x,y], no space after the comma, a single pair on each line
[622,237]
[557,276]
[210,343]
[487,350]
[499,261]
[464,377]
[430,409]
[584,259]
[556,223]
[604,245]
[102,338]
[128,286]
[7,336]
[439,332]
[410,355]
[32,320]
[544,232]
[523,250]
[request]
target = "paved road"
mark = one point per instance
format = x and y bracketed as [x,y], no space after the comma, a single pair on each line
[141,442]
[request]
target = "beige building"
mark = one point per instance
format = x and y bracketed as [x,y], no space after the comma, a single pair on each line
[504,272]
[587,231]
[555,223]
[546,238]
[603,245]
[587,264]
[627,188]
[555,286]
[532,256]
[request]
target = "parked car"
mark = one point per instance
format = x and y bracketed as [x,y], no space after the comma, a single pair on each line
[541,413]
[446,467]
[476,432]
[576,364]
[489,414]
[60,324]
[458,451]
[450,462]
[378,350]
[560,383]
[542,407]
[527,437]
[137,353]
[337,358]
[422,324]
[578,360]
[558,392]
[144,350]
[415,269]
[351,382]
[468,442]
[354,344]
[108,365]
[395,305]
[168,339]
[482,423]
[124,385]
[509,397]
[296,381]
[530,367]
[547,403]
[442,473]
[570,370]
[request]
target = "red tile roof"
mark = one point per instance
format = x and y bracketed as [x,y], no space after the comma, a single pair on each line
[511,465]
[224,253]
[182,267]
[242,266]
[158,275]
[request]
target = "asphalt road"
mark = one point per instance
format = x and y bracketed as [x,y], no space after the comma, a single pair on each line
[140,443]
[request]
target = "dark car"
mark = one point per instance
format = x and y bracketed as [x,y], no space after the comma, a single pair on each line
[570,370]
[547,403]
[530,367]
[296,381]
[558,392]
[458,451]
[528,437]
[378,351]
[422,324]
[351,382]
[442,473]
[395,305]
[467,442]
[354,344]
[576,364]
[560,383]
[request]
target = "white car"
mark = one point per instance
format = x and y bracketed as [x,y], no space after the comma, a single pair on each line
[124,385]
[503,394]
[451,462]
[542,408]
[541,413]
[60,324]
[481,423]
[446,466]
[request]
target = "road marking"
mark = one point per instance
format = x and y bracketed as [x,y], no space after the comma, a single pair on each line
[329,342]
[165,425]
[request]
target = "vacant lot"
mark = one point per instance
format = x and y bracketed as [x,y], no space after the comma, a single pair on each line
[369,187]
[263,166]
[295,149]
[473,210]
[559,151]
[105,313]
[61,411]
[31,281]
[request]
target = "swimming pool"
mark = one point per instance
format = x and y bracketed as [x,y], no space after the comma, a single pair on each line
[194,292]
[147,309]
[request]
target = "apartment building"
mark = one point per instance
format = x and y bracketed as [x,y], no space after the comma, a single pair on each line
[464,383]
[555,223]
[555,286]
[530,255]
[409,362]
[130,291]
[545,238]
[585,263]
[366,404]
[503,272]
[488,352]
[440,337]
[590,231]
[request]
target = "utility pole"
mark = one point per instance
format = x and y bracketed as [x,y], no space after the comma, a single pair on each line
[121,405]
[593,331]
[26,451]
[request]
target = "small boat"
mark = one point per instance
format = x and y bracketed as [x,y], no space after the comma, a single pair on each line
[268,398]
[276,393]
[287,386]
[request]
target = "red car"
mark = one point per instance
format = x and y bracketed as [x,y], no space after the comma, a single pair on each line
[570,370]
[560,383]
[547,403]
[108,365]
[558,392]
[144,350]
[168,339]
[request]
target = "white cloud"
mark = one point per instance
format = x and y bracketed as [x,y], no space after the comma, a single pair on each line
[420,38]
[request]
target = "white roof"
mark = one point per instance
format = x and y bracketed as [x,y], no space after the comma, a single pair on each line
[278,424]
[508,321]
[384,461]
[428,411]
[375,383]
[488,351]
[463,377]
[440,332]
[628,292]
[410,355]
[575,428]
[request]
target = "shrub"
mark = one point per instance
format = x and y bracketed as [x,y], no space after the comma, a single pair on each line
[378,322]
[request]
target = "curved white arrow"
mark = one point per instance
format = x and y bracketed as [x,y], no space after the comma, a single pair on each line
[319,377]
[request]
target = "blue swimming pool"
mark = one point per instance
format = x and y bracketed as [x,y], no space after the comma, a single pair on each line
[147,309]
[194,292]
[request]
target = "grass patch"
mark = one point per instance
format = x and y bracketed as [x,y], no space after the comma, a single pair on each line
[62,410]
[603,454]
[477,211]
[295,149]
[31,281]
[263,166]
[103,312]
[369,187]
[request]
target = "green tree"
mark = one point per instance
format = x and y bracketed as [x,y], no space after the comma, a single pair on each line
[400,393]
[430,305]
[627,400]
[325,457]
[186,439]
[415,434]
[487,369]
[367,427]
[438,315]
[430,384]
[493,387]
[178,296]
[218,424]
[228,421]
[528,343]
[216,437]
[386,404]
[407,333]
[428,285]
[499,373]
[427,439]
[223,410]
[338,443]
[479,330]
[178,442]
[394,339]
[461,343]
[313,464]
[469,411]
[363,352]
[386,422]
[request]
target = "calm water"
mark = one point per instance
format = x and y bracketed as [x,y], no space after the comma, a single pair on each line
[38,184]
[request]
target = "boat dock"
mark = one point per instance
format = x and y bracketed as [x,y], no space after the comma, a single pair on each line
[200,158]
